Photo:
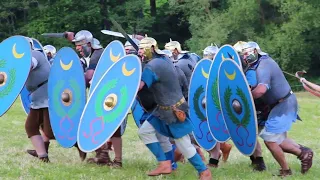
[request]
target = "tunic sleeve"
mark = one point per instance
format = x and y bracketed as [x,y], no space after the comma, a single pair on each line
[264,76]
[149,77]
[251,78]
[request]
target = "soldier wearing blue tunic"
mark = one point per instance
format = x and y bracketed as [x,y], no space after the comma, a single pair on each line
[170,118]
[257,160]
[274,90]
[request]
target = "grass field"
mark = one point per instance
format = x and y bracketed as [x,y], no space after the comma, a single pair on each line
[65,163]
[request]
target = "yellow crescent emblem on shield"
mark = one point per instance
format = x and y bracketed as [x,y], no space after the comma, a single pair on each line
[113,57]
[204,74]
[66,67]
[126,72]
[224,58]
[15,54]
[230,76]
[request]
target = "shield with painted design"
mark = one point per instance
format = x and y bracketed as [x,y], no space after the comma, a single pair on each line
[67,96]
[215,118]
[237,107]
[15,64]
[197,101]
[109,103]
[111,54]
[25,94]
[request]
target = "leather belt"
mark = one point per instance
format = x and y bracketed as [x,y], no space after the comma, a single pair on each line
[166,108]
[285,97]
[41,84]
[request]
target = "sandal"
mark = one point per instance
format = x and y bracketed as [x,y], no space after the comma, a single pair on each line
[306,158]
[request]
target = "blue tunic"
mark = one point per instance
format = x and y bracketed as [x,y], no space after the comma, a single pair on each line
[174,130]
[283,114]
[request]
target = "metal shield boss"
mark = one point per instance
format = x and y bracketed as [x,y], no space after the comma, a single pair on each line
[197,101]
[215,118]
[25,94]
[111,54]
[237,107]
[67,96]
[15,64]
[109,103]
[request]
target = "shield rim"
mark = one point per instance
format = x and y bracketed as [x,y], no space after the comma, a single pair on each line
[126,114]
[24,109]
[252,103]
[15,99]
[99,62]
[85,98]
[240,64]
[189,111]
[218,92]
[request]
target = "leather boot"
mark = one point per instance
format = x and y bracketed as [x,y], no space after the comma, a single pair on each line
[95,159]
[34,152]
[164,167]
[109,145]
[306,158]
[82,155]
[104,158]
[225,148]
[45,159]
[205,175]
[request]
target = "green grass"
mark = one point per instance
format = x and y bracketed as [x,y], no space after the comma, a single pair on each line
[65,163]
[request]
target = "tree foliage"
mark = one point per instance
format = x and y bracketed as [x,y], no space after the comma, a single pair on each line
[289,30]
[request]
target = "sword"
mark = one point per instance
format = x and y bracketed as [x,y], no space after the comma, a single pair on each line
[124,34]
[55,35]
[113,33]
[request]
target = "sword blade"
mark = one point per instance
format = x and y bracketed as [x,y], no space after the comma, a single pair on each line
[113,33]
[124,34]
[55,35]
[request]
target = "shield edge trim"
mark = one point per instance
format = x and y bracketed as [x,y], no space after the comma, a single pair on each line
[252,102]
[206,110]
[240,65]
[218,94]
[21,102]
[25,80]
[120,122]
[104,51]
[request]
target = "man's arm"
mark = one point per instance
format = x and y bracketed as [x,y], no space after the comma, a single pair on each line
[263,80]
[148,78]
[259,91]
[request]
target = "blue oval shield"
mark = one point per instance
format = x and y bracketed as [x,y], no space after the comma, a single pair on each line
[67,96]
[237,106]
[109,103]
[15,63]
[198,86]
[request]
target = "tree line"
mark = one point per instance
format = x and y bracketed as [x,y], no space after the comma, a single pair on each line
[289,30]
